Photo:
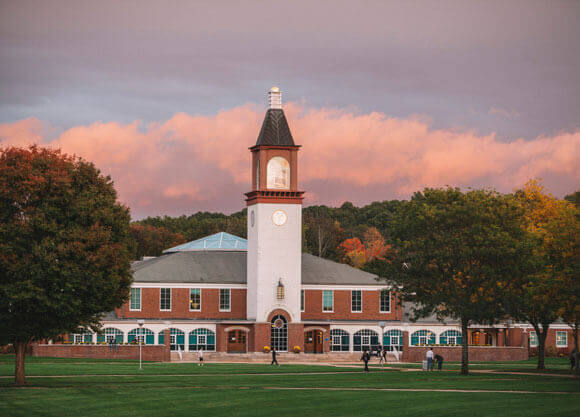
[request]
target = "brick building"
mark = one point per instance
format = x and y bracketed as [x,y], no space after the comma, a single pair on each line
[227,294]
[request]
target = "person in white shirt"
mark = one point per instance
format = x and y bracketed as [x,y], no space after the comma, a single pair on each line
[430,357]
[200,356]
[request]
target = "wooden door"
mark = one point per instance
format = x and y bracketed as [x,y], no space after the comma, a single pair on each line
[237,341]
[313,341]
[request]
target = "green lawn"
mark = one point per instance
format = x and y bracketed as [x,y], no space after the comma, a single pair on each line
[86,388]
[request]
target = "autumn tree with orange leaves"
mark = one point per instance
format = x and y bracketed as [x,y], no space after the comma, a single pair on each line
[456,253]
[64,257]
[358,253]
[553,291]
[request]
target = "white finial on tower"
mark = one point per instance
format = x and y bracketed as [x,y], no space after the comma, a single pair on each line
[275,98]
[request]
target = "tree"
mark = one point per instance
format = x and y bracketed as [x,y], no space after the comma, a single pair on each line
[64,257]
[357,253]
[152,241]
[455,253]
[551,292]
[322,234]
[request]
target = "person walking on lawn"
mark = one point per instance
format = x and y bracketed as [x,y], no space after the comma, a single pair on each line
[366,357]
[200,356]
[274,361]
[439,360]
[430,357]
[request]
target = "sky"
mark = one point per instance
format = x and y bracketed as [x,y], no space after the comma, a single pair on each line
[385,97]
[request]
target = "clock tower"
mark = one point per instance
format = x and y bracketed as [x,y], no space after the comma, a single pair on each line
[274,222]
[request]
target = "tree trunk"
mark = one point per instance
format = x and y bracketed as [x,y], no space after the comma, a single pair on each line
[464,348]
[576,353]
[542,333]
[19,374]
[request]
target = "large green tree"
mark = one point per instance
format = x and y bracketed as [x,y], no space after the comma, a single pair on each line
[455,253]
[64,257]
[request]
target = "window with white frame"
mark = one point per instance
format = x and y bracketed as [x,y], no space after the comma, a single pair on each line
[135,304]
[165,299]
[328,300]
[78,338]
[450,337]
[385,301]
[356,301]
[202,339]
[340,340]
[561,339]
[195,299]
[533,339]
[225,304]
[423,337]
[301,300]
[365,339]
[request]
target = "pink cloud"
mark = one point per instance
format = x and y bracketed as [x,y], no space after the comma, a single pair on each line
[190,163]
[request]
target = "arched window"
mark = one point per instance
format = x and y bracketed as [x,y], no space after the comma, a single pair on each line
[177,339]
[450,337]
[147,336]
[279,333]
[393,339]
[278,173]
[86,337]
[110,333]
[365,340]
[339,341]
[202,338]
[423,337]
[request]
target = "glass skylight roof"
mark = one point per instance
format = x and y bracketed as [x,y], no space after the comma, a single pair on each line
[219,241]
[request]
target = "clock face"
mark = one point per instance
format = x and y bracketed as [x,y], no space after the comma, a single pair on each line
[279,217]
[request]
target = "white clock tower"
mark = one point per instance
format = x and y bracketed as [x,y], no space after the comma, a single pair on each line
[274,221]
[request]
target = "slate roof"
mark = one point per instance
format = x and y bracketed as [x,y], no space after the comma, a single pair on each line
[229,267]
[218,241]
[275,130]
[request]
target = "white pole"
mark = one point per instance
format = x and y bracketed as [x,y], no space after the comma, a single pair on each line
[140,323]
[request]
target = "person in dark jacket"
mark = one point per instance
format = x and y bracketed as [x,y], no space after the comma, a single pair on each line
[366,357]
[439,360]
[274,360]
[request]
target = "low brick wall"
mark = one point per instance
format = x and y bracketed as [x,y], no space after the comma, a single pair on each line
[476,353]
[157,353]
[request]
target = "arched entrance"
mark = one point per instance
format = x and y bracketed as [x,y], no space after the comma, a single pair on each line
[237,341]
[313,341]
[279,333]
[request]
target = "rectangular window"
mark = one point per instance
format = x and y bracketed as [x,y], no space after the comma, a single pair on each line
[78,338]
[135,299]
[301,300]
[533,339]
[195,299]
[385,301]
[328,301]
[356,301]
[561,339]
[165,299]
[225,299]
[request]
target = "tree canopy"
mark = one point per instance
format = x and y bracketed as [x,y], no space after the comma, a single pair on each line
[64,257]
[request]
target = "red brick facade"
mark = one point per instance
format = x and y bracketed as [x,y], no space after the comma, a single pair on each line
[342,306]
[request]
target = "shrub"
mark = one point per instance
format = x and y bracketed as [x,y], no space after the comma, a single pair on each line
[266,349]
[297,349]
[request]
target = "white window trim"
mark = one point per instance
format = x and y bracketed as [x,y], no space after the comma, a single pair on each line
[327,311]
[390,300]
[302,300]
[229,300]
[170,299]
[200,299]
[361,302]
[565,345]
[140,300]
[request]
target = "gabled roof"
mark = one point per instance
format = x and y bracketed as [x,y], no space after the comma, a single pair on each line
[218,241]
[275,130]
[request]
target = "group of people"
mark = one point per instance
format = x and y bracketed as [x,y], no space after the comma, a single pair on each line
[432,358]
[380,353]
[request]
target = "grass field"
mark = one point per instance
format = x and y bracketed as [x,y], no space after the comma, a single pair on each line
[82,387]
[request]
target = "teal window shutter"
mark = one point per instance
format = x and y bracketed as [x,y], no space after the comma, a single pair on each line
[443,340]
[161,337]
[100,338]
[414,340]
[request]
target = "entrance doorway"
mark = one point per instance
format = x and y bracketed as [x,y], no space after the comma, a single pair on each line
[313,341]
[237,341]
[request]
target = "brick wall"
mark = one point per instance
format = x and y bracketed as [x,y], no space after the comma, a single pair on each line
[180,305]
[342,307]
[157,353]
[476,353]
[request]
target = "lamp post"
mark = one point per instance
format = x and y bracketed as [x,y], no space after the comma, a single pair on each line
[140,323]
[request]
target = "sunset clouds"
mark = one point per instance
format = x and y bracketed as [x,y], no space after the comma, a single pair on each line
[191,163]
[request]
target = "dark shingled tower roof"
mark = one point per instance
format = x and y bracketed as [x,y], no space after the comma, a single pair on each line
[275,130]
